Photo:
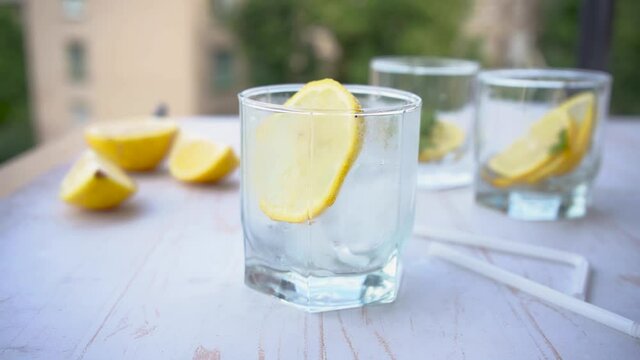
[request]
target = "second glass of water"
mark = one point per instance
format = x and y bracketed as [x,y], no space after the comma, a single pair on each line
[446,89]
[539,135]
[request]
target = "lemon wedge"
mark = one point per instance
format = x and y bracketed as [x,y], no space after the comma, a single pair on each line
[201,160]
[95,183]
[136,144]
[445,138]
[301,160]
[531,153]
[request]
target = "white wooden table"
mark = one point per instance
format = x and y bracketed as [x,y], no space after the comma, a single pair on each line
[162,277]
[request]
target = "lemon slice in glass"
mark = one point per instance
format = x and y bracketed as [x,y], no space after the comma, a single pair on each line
[136,144]
[201,160]
[526,160]
[581,110]
[445,138]
[533,151]
[300,159]
[95,183]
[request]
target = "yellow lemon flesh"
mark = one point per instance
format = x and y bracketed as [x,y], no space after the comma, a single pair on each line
[201,160]
[581,110]
[446,137]
[529,154]
[300,160]
[528,161]
[136,145]
[95,183]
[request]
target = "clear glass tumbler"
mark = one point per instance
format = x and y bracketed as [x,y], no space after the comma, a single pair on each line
[538,140]
[446,88]
[348,254]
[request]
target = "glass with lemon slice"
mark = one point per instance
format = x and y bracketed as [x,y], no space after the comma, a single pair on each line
[328,186]
[446,88]
[538,140]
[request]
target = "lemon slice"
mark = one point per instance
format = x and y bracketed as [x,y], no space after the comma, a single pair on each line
[445,138]
[581,110]
[301,160]
[576,117]
[95,183]
[533,151]
[201,160]
[133,144]
[553,167]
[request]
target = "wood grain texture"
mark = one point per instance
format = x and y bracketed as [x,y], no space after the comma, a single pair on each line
[161,278]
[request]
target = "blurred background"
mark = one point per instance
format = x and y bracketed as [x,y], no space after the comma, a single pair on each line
[66,62]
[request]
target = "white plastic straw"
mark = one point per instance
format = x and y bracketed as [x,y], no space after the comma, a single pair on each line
[581,265]
[545,293]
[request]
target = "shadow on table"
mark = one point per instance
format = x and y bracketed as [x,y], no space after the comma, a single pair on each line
[227,184]
[128,211]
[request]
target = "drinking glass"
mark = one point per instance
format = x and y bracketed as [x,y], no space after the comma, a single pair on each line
[348,255]
[538,140]
[446,88]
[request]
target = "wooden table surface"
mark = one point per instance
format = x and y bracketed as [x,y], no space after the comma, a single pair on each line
[162,277]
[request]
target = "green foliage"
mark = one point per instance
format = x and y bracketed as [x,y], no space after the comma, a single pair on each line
[559,43]
[15,130]
[272,34]
[366,29]
[560,31]
[626,58]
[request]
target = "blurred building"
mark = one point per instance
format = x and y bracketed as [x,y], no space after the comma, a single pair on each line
[104,59]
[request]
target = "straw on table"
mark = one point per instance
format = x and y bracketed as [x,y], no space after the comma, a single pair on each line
[545,293]
[580,264]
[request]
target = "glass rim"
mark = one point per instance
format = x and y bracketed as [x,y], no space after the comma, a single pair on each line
[554,78]
[410,101]
[424,65]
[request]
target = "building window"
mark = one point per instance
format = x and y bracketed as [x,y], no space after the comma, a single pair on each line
[73,9]
[80,112]
[221,70]
[77,62]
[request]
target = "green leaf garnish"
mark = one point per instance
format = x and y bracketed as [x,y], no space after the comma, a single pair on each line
[562,144]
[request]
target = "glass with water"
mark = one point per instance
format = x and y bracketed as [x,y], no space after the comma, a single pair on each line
[539,138]
[347,254]
[446,88]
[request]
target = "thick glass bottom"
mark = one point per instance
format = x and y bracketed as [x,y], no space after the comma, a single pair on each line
[325,293]
[536,205]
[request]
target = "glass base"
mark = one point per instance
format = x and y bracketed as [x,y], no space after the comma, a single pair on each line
[538,206]
[316,294]
[429,179]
